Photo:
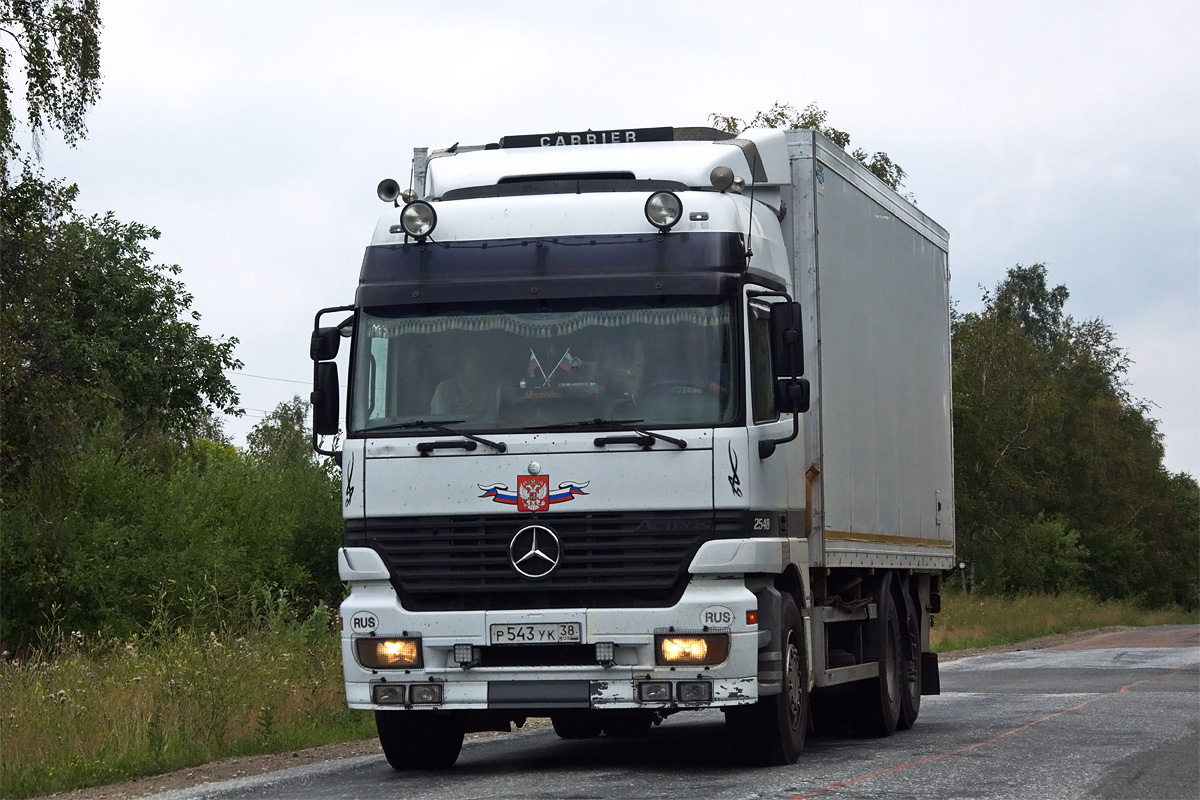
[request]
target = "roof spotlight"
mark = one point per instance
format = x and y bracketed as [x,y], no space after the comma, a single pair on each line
[663,210]
[418,219]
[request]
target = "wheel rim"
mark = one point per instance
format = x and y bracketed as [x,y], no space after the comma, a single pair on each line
[795,690]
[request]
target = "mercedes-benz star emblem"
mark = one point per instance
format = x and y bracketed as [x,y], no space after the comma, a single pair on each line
[535,551]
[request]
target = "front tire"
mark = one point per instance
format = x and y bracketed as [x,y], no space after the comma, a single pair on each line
[771,732]
[419,740]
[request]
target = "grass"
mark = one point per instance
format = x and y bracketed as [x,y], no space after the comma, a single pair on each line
[979,621]
[80,712]
[83,711]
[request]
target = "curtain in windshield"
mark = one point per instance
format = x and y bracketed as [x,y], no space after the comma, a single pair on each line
[512,368]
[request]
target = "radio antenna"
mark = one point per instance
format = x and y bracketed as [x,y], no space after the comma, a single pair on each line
[753,182]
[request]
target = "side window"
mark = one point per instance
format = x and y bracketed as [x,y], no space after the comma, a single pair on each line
[377,389]
[762,376]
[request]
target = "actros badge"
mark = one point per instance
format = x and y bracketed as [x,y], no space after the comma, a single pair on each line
[535,551]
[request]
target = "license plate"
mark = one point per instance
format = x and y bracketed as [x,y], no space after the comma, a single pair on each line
[538,633]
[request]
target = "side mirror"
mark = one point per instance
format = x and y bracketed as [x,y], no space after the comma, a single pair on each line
[787,340]
[324,346]
[792,395]
[324,396]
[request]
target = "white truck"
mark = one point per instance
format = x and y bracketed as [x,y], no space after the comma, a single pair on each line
[639,422]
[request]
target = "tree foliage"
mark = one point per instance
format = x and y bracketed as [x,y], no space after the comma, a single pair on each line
[58,42]
[785,115]
[94,334]
[113,509]
[1059,475]
[283,435]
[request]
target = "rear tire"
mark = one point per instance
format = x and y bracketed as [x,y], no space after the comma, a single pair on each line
[419,740]
[771,732]
[879,701]
[576,724]
[910,668]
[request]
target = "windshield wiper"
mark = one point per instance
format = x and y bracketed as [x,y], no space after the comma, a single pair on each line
[643,438]
[443,426]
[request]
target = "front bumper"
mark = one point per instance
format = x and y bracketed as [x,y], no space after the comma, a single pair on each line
[533,688]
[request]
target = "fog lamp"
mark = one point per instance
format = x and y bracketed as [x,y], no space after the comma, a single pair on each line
[693,691]
[418,219]
[464,655]
[386,694]
[663,210]
[425,694]
[606,653]
[692,649]
[389,653]
[654,691]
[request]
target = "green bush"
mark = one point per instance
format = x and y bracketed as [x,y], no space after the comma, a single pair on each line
[122,525]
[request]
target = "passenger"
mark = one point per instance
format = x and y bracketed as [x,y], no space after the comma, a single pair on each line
[620,369]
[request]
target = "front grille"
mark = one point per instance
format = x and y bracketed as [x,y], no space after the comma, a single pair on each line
[608,560]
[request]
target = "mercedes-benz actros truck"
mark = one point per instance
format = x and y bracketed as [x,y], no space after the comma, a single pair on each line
[641,422]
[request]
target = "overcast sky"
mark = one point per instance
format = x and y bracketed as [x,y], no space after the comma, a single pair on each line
[253,135]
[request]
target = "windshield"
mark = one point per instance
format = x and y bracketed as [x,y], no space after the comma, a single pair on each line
[512,366]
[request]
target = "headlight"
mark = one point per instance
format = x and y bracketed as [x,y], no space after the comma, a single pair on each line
[418,219]
[663,210]
[676,650]
[389,653]
[425,694]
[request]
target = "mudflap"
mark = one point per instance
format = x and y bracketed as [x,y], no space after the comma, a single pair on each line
[931,682]
[770,658]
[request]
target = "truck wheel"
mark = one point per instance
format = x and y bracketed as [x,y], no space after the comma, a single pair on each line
[771,732]
[419,740]
[879,700]
[576,724]
[910,675]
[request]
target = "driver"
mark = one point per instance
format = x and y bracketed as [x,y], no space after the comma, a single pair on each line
[474,392]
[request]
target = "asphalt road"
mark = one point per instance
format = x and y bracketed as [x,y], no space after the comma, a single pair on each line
[1116,716]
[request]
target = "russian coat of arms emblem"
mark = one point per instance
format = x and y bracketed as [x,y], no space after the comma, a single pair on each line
[533,492]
